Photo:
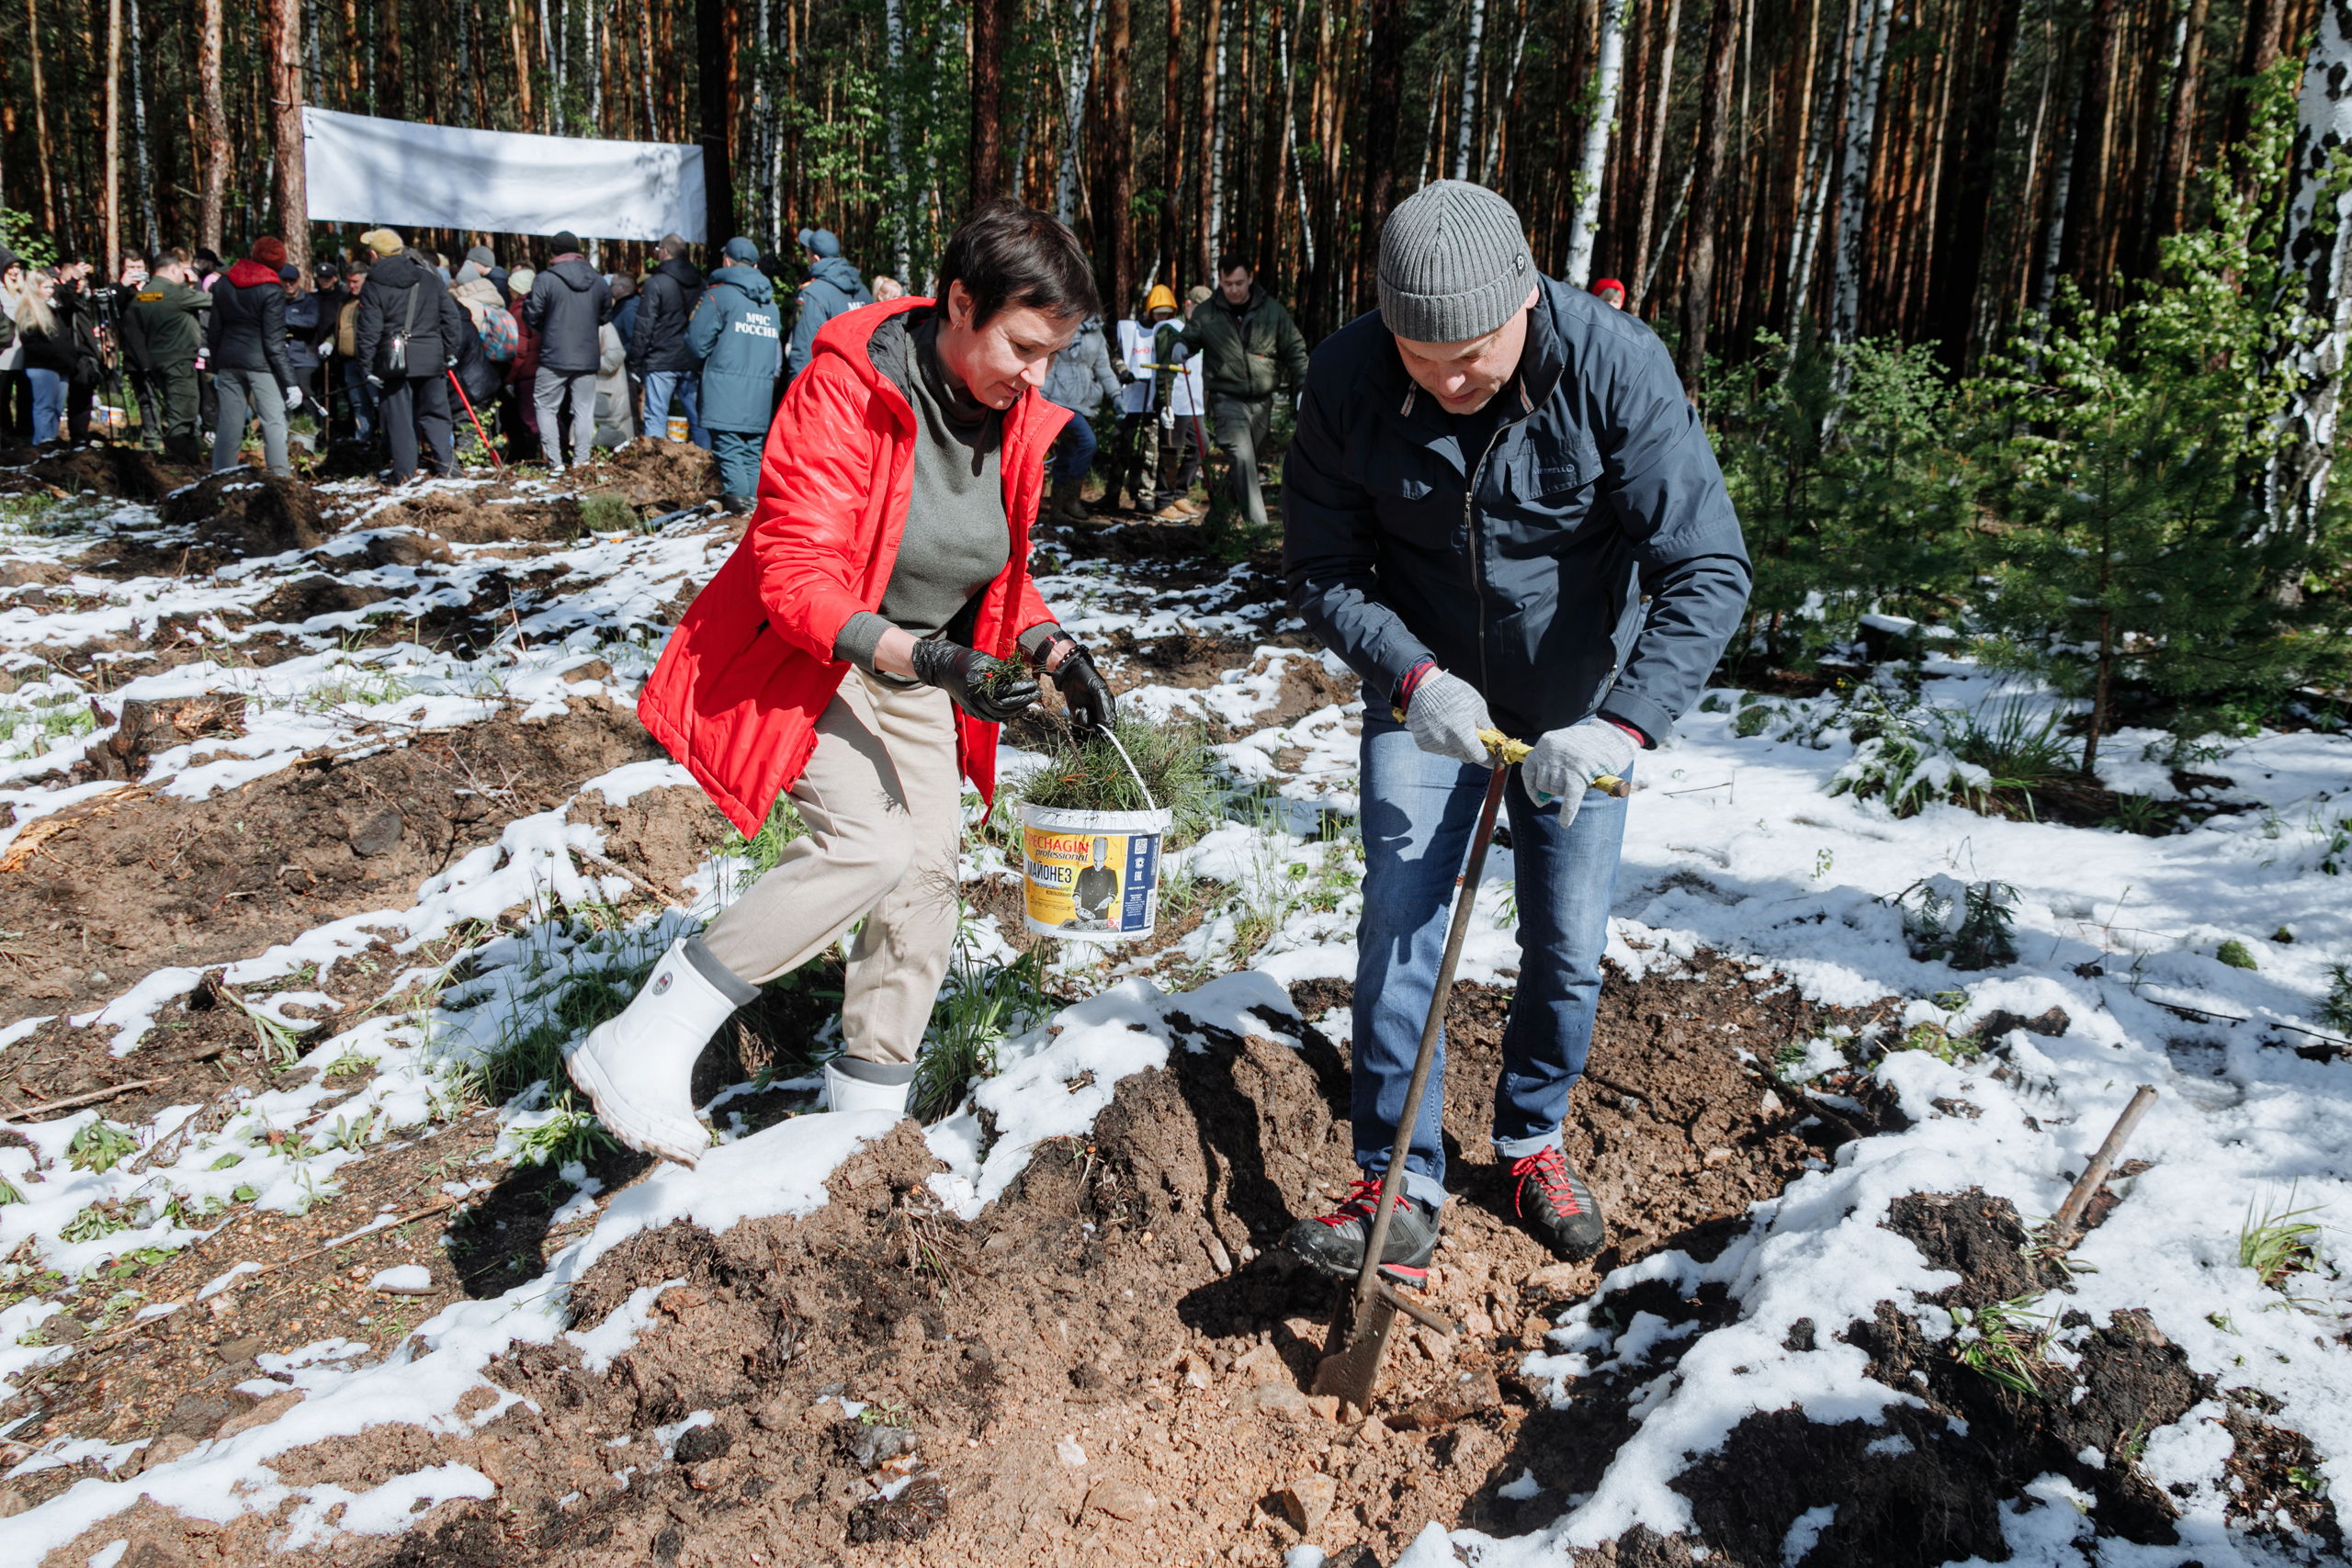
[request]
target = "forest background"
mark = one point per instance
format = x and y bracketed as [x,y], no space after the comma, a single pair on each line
[2022,319]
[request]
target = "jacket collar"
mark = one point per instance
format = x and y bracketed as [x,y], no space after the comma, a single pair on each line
[1540,365]
[850,336]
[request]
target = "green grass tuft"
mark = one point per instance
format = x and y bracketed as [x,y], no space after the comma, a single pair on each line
[2237,955]
[2279,1243]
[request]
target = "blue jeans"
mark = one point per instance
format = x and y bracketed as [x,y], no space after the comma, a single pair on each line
[1077,449]
[659,385]
[49,403]
[1418,812]
[363,400]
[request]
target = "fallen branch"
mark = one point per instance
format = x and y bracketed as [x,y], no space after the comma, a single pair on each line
[49,1107]
[640,884]
[2069,1217]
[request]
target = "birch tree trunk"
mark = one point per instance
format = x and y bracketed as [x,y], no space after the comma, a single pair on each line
[285,127]
[1087,14]
[1216,144]
[593,42]
[216,123]
[1854,186]
[1608,73]
[464,62]
[1656,160]
[1461,168]
[114,137]
[2319,247]
[1206,131]
[1816,192]
[154,230]
[555,76]
[893,20]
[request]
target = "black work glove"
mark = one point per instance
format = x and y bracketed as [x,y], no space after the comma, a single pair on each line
[990,690]
[1083,688]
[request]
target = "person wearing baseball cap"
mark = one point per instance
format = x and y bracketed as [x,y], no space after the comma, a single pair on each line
[1500,510]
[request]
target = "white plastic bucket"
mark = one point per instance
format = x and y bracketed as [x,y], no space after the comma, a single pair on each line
[1092,875]
[678,428]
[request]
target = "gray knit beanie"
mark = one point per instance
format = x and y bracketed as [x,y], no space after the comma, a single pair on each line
[1454,263]
[482,257]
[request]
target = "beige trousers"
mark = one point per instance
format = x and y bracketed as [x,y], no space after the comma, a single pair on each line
[883,802]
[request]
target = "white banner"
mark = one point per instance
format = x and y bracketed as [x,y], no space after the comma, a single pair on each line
[364,170]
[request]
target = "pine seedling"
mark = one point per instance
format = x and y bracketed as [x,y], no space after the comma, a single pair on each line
[2237,955]
[2337,1011]
[2279,1243]
[2006,1343]
[1983,940]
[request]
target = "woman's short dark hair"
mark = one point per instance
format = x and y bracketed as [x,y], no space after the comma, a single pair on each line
[1007,253]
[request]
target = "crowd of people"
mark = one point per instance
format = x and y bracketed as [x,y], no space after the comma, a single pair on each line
[419,359]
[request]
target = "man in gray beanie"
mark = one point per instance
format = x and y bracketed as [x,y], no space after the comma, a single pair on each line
[1502,512]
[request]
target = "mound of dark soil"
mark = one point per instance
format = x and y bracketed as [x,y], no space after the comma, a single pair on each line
[248,512]
[663,475]
[476,518]
[104,467]
[152,882]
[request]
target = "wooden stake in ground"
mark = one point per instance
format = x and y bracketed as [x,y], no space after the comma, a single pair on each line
[2069,1217]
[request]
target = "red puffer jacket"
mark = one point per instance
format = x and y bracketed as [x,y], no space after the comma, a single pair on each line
[739,688]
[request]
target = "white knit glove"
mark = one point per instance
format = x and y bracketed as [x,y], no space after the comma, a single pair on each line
[1565,761]
[293,399]
[1445,716]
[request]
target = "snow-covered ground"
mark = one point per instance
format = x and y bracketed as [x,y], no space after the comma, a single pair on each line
[1744,844]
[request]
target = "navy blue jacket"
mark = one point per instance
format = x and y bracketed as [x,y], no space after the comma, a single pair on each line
[738,335]
[1599,568]
[832,287]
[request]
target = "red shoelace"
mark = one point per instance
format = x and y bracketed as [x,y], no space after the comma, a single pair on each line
[1362,1202]
[1549,1171]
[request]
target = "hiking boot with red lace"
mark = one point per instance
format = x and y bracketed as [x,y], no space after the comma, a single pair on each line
[1556,1204]
[1334,1242]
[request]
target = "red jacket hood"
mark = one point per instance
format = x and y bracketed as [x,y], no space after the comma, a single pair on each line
[247,272]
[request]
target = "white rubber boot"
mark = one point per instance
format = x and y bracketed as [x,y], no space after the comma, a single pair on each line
[868,1085]
[638,1069]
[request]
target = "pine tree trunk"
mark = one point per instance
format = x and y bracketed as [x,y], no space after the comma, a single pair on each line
[1698,266]
[395,93]
[522,66]
[114,137]
[1663,88]
[1855,179]
[1470,90]
[716,33]
[216,123]
[153,230]
[1385,80]
[988,98]
[1118,251]
[2180,128]
[1960,211]
[2319,246]
[1608,70]
[1172,141]
[286,126]
[2086,187]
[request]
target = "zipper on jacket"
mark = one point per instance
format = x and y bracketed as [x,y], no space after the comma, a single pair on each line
[1470,523]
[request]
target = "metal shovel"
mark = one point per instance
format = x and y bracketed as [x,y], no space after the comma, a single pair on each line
[1367,1309]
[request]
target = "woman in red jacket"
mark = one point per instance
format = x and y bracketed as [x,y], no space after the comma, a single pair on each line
[859,649]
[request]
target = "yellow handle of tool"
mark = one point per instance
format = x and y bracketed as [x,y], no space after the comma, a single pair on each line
[1514,752]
